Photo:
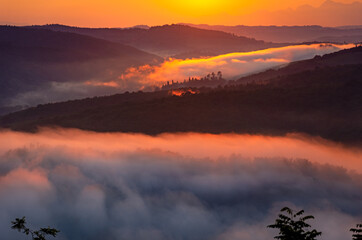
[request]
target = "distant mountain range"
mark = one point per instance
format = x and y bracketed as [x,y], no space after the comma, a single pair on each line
[33,59]
[53,63]
[324,100]
[292,34]
[178,41]
[328,13]
[41,45]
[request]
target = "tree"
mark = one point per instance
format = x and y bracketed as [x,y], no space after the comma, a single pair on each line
[293,226]
[357,232]
[19,224]
[219,74]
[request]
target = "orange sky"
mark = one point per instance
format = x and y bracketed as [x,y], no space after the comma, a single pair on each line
[118,13]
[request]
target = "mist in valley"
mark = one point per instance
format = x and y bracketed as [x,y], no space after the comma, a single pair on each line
[180,120]
[36,84]
[175,186]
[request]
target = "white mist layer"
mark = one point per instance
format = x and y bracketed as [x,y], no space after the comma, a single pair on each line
[175,186]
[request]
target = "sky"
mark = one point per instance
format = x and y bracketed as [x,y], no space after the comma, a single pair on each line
[115,13]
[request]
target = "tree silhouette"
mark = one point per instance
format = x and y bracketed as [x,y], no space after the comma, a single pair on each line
[19,224]
[357,232]
[293,226]
[219,74]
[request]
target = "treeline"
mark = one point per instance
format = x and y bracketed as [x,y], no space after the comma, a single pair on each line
[292,225]
[210,80]
[324,102]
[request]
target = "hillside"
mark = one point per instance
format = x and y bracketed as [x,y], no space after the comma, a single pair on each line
[322,102]
[351,56]
[292,34]
[36,59]
[46,45]
[172,40]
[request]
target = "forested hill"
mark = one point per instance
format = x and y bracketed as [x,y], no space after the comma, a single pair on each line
[343,57]
[322,102]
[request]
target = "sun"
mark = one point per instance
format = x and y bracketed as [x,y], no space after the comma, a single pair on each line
[195,7]
[200,4]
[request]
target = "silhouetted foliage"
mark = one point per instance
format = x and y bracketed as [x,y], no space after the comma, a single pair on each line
[210,80]
[19,224]
[357,232]
[293,226]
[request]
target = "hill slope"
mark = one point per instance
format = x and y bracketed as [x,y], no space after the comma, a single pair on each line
[33,59]
[351,56]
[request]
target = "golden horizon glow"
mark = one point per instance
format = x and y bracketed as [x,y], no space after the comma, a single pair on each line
[113,13]
[198,7]
[202,146]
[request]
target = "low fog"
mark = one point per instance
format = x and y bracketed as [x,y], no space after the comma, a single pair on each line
[175,186]
[232,65]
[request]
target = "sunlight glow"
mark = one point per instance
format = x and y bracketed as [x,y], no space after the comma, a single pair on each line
[114,13]
[195,7]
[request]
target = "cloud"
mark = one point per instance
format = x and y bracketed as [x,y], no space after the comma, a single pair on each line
[174,186]
[232,65]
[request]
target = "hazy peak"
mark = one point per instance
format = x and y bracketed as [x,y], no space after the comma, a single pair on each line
[331,3]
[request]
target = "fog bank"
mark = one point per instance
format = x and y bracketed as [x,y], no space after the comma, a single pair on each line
[175,186]
[232,65]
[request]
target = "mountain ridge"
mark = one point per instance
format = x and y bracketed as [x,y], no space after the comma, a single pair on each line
[171,40]
[43,38]
[292,34]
